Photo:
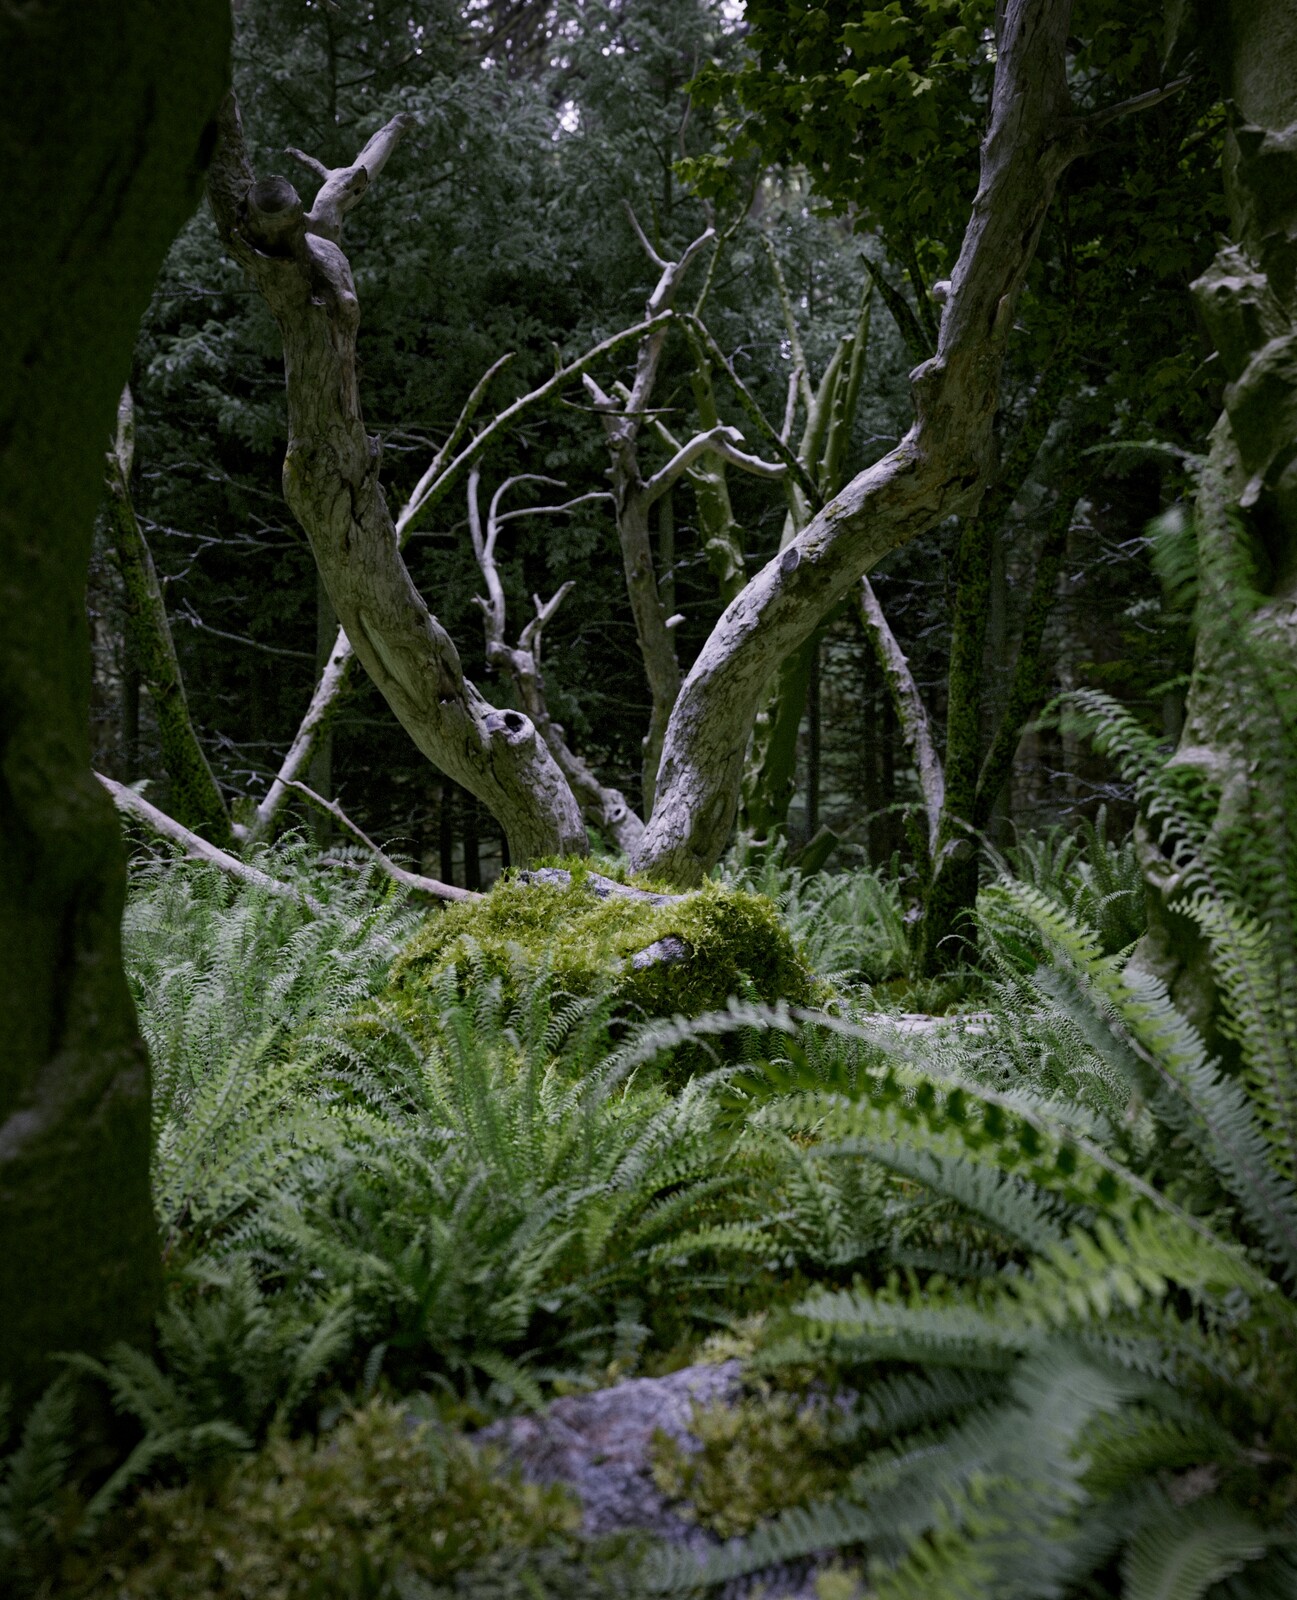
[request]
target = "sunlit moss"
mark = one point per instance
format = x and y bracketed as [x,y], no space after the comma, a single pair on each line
[751,1460]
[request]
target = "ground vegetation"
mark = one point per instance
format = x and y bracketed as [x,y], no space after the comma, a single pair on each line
[719,841]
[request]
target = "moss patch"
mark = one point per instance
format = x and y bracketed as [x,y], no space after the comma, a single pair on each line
[729,942]
[752,1460]
[375,1510]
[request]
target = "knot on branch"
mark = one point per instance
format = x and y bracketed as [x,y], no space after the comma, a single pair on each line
[514,727]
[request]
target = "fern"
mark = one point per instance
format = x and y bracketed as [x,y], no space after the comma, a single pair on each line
[33,1479]
[1180,1552]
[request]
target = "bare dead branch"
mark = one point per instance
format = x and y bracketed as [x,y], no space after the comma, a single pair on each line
[643,238]
[323,700]
[135,805]
[331,480]
[419,494]
[439,484]
[911,713]
[939,467]
[606,808]
[720,440]
[408,880]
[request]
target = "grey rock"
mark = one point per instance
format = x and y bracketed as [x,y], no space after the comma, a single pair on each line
[665,951]
[600,1445]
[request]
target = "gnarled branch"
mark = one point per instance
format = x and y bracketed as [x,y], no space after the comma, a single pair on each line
[938,468]
[331,481]
[606,808]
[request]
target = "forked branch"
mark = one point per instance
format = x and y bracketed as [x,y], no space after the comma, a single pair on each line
[939,467]
[332,483]
[605,808]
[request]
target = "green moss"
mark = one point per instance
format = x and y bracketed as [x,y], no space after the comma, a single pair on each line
[374,1509]
[735,944]
[757,1458]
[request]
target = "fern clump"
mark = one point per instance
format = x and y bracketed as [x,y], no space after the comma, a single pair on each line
[848,925]
[1087,1367]
[718,942]
[1098,879]
[376,1508]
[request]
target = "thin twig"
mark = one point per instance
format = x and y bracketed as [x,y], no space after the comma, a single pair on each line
[410,880]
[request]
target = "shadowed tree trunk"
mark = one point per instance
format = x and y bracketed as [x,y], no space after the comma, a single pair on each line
[195,799]
[106,125]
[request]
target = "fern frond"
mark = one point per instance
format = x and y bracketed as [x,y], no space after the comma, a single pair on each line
[1180,1552]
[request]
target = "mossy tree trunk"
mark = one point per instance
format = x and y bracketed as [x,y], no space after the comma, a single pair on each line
[976,768]
[106,124]
[195,800]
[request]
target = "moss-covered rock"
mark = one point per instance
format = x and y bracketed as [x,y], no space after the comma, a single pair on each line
[660,954]
[376,1509]
[750,1461]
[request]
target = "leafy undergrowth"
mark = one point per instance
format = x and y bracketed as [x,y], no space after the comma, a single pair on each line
[379,1506]
[450,1200]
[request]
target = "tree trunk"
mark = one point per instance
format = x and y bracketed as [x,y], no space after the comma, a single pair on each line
[813,742]
[1247,502]
[320,771]
[332,484]
[195,801]
[938,468]
[106,124]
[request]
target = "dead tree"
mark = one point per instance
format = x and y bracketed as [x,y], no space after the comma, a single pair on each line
[940,467]
[605,808]
[332,484]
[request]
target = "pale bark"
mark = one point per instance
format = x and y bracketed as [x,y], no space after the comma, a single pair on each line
[939,467]
[432,486]
[200,849]
[195,799]
[604,807]
[298,758]
[634,497]
[704,460]
[414,881]
[911,713]
[770,770]
[337,668]
[331,481]
[633,500]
